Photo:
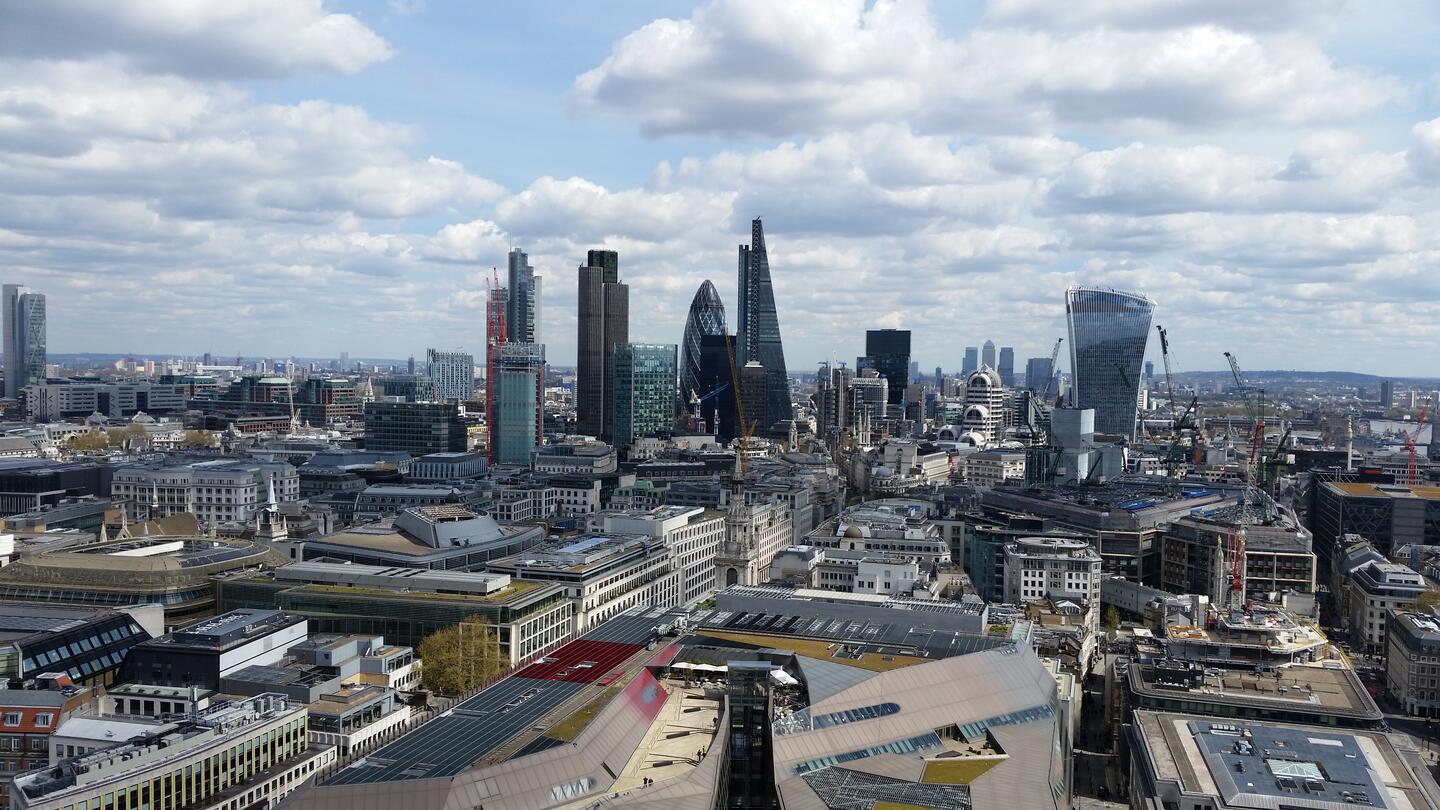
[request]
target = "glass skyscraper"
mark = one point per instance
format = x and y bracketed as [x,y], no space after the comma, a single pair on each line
[603,320]
[518,409]
[643,391]
[758,331]
[24,343]
[707,317]
[888,352]
[1108,333]
[522,301]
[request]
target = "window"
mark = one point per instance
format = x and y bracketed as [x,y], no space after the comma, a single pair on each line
[12,718]
[43,719]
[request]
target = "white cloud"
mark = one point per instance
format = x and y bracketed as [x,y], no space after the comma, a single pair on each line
[1146,14]
[253,39]
[758,68]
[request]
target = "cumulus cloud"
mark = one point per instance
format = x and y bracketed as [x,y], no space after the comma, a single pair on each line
[1150,14]
[757,68]
[254,39]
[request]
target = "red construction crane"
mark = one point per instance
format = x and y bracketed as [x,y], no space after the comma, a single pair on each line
[1412,476]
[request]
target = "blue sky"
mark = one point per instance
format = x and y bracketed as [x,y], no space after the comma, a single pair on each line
[303,177]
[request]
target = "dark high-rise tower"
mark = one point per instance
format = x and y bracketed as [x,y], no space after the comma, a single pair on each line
[603,321]
[758,330]
[972,361]
[888,352]
[522,302]
[707,317]
[1108,333]
[987,354]
[1007,366]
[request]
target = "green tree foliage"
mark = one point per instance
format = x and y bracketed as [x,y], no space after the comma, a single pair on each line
[458,658]
[198,438]
[1112,618]
[1428,599]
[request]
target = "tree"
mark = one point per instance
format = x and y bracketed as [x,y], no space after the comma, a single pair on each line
[198,438]
[458,658]
[1112,618]
[1427,600]
[89,442]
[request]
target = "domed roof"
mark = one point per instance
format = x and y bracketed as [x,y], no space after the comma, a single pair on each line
[983,377]
[853,533]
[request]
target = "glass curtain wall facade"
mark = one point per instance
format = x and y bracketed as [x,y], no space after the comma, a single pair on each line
[603,318]
[518,404]
[759,328]
[522,301]
[1108,333]
[706,318]
[644,388]
[888,352]
[24,342]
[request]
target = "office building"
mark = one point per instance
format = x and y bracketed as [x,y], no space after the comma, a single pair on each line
[694,536]
[215,492]
[203,654]
[603,318]
[1052,568]
[417,428]
[1388,515]
[1387,393]
[718,412]
[643,390]
[1368,587]
[758,329]
[1038,373]
[603,574]
[1195,559]
[705,319]
[244,753]
[1108,333]
[85,644]
[437,536]
[1412,639]
[522,299]
[24,324]
[410,387]
[517,397]
[31,718]
[972,360]
[407,604]
[453,374]
[888,352]
[1149,369]
[987,355]
[1190,761]
[984,414]
[1006,366]
[56,400]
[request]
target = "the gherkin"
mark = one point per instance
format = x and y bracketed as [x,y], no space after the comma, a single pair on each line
[707,317]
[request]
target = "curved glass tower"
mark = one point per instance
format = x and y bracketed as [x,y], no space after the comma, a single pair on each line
[1108,332]
[707,317]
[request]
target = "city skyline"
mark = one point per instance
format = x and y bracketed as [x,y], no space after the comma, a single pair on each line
[367,176]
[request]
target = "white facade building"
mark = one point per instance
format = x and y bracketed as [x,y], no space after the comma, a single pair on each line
[754,534]
[694,535]
[215,491]
[984,412]
[1052,568]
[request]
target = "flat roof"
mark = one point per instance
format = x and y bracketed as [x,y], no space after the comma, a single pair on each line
[1333,690]
[228,629]
[1386,490]
[458,738]
[1260,764]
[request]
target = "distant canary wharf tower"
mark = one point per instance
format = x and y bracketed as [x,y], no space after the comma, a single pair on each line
[1108,332]
[758,333]
[707,317]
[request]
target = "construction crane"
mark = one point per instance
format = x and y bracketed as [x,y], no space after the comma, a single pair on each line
[1257,439]
[1412,474]
[742,429]
[1169,377]
[1050,381]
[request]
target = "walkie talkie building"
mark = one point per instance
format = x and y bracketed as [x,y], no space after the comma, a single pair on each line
[1108,332]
